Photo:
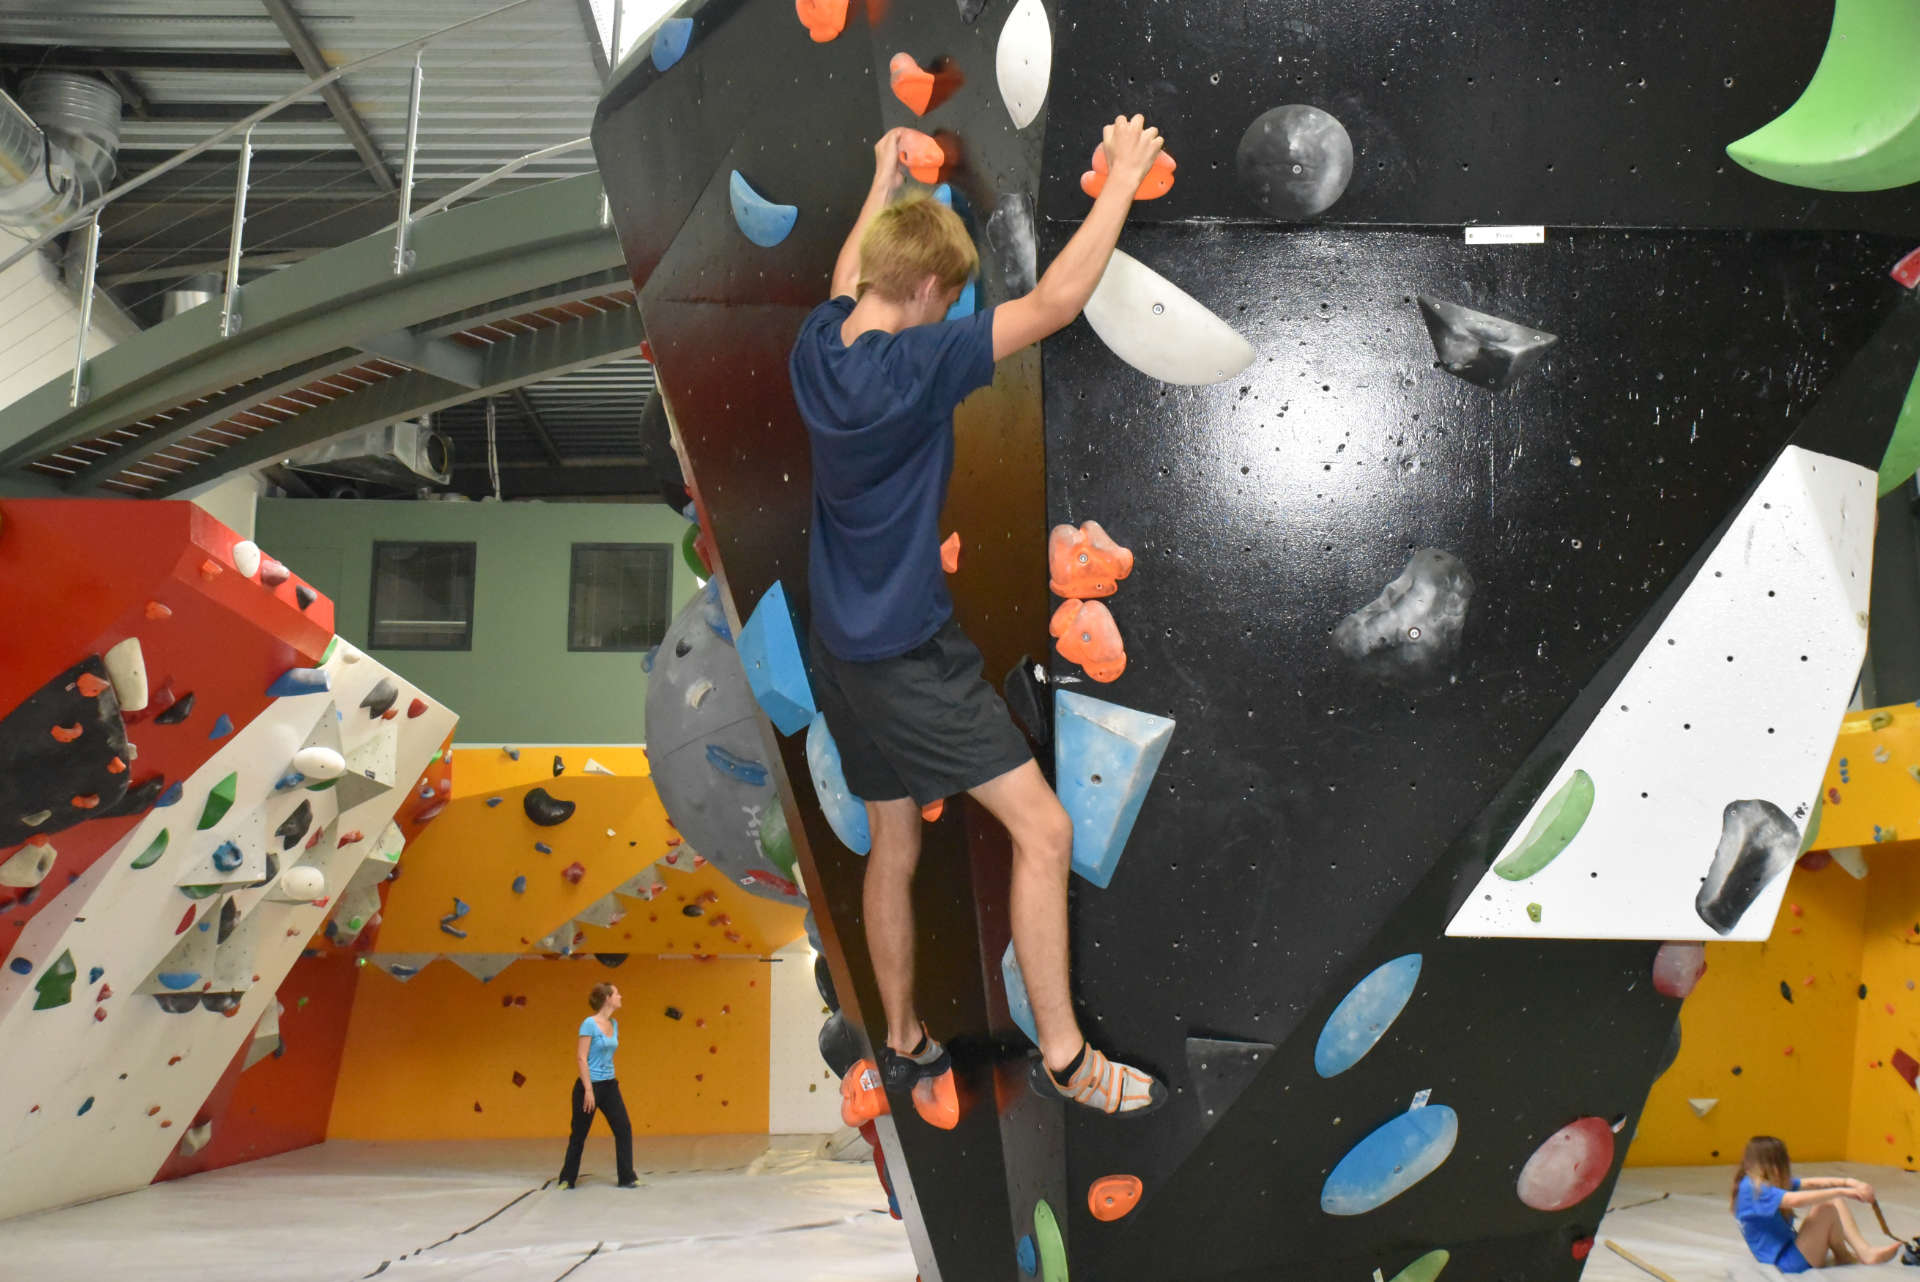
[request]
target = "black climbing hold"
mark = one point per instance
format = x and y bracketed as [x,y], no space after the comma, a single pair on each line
[1863,992]
[559,766]
[138,799]
[181,709]
[305,595]
[823,980]
[1757,844]
[1031,703]
[673,1012]
[839,1044]
[381,698]
[220,1002]
[546,809]
[1736,1070]
[1480,348]
[612,961]
[293,829]
[177,1003]
[1295,161]
[229,918]
[693,910]
[970,9]
[1220,1070]
[1786,990]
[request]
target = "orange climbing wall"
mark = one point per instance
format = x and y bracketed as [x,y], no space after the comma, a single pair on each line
[1737,1017]
[1885,1123]
[422,1054]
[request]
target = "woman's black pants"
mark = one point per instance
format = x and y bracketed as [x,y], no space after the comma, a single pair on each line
[607,1103]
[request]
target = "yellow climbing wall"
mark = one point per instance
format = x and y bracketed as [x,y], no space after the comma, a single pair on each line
[434,1058]
[1775,1067]
[1885,1122]
[1871,793]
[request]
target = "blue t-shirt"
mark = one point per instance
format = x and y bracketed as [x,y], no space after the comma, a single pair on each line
[600,1051]
[1768,1233]
[879,415]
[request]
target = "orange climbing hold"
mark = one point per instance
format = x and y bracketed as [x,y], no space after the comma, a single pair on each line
[861,1097]
[1158,182]
[91,686]
[950,553]
[937,1102]
[912,83]
[1112,1196]
[1088,636]
[1085,563]
[156,612]
[66,734]
[932,811]
[823,19]
[86,802]
[116,767]
[926,157]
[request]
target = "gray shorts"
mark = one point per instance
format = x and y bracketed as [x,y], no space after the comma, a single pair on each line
[924,725]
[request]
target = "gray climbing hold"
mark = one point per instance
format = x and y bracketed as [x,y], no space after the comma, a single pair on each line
[1482,349]
[1410,633]
[381,698]
[1011,237]
[305,595]
[1758,843]
[293,829]
[1295,161]
[546,809]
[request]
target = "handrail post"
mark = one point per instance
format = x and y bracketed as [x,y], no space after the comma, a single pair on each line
[613,54]
[231,320]
[402,256]
[77,393]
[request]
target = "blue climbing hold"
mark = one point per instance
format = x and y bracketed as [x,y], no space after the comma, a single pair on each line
[296,681]
[759,219]
[513,754]
[21,966]
[494,801]
[964,305]
[520,884]
[85,1104]
[400,970]
[543,847]
[670,42]
[227,857]
[846,814]
[93,976]
[1017,1004]
[178,980]
[1027,1256]
[426,790]
[745,769]
[1364,1015]
[221,728]
[646,660]
[1104,759]
[291,779]
[713,613]
[776,668]
[460,907]
[1390,1161]
[170,797]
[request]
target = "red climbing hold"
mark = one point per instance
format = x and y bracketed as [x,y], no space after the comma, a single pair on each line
[348,838]
[185,921]
[1158,182]
[1815,860]
[1088,636]
[1907,270]
[1582,1247]
[157,612]
[574,872]
[90,686]
[99,1014]
[1111,1196]
[87,802]
[415,708]
[950,553]
[823,19]
[1085,563]
[210,570]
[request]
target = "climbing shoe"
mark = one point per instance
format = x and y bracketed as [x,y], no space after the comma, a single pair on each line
[927,1073]
[1096,1082]
[861,1096]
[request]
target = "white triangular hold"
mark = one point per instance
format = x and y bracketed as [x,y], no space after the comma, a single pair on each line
[1853,859]
[266,1036]
[1701,1107]
[604,912]
[595,768]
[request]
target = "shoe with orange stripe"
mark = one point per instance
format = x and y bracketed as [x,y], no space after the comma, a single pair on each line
[927,1075]
[1113,1088]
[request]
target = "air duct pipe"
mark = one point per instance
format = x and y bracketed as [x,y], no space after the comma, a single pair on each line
[57,146]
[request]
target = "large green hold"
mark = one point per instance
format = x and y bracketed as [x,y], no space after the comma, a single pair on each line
[219,801]
[151,855]
[1559,822]
[1424,1269]
[1902,458]
[55,984]
[1053,1248]
[1856,127]
[776,842]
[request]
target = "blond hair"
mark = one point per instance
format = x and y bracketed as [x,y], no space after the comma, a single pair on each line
[911,240]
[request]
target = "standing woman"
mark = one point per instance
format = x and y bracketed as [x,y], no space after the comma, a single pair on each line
[596,1088]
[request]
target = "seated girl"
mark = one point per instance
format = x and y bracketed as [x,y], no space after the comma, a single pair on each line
[1765,1197]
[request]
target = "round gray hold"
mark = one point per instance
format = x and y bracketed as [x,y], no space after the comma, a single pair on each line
[1295,161]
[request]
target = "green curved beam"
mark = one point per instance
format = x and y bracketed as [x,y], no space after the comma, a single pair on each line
[1857,125]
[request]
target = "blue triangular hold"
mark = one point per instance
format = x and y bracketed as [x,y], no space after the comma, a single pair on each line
[846,814]
[1017,1004]
[298,681]
[670,42]
[1104,759]
[776,669]
[963,306]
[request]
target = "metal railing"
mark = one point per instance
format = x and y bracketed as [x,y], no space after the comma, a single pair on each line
[87,217]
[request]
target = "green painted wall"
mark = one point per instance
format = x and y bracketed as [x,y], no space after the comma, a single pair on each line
[519,684]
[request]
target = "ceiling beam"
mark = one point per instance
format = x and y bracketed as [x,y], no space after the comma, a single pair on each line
[295,33]
[180,271]
[42,58]
[130,94]
[538,425]
[225,113]
[441,357]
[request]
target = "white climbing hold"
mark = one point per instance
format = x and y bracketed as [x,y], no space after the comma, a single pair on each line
[37,818]
[320,762]
[246,558]
[1160,330]
[299,884]
[612,833]
[28,866]
[1701,1107]
[127,669]
[595,768]
[1024,61]
[196,1138]
[1853,859]
[697,692]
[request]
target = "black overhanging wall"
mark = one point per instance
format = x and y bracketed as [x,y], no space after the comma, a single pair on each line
[1308,825]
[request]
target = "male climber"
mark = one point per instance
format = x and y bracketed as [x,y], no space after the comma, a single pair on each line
[877,373]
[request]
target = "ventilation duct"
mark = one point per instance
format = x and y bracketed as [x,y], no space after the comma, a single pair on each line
[399,456]
[57,146]
[189,294]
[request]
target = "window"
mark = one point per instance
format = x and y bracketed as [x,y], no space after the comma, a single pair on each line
[422,597]
[618,596]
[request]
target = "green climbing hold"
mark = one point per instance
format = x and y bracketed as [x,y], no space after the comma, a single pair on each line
[1424,1269]
[1559,822]
[327,653]
[1533,912]
[201,892]
[690,554]
[322,785]
[219,801]
[1856,126]
[1902,458]
[55,984]
[1813,821]
[1053,1250]
[151,855]
[776,842]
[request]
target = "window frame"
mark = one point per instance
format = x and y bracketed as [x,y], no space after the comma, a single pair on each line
[473,588]
[666,596]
